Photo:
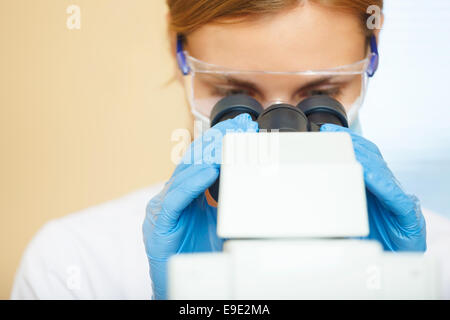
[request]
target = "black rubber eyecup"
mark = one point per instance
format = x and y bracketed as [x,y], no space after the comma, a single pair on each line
[326,105]
[233,105]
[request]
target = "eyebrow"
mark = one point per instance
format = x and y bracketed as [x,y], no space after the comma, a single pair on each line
[241,83]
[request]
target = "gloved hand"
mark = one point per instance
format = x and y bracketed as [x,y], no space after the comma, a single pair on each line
[179,219]
[395,218]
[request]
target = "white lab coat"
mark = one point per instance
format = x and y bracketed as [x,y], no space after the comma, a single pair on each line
[99,253]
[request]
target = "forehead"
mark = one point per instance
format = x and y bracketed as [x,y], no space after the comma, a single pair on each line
[306,37]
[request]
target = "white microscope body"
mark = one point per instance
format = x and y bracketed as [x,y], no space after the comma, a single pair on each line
[292,207]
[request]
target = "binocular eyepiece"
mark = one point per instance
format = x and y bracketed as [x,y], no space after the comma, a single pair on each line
[308,116]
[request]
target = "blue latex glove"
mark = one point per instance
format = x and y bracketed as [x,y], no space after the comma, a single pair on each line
[179,219]
[395,218]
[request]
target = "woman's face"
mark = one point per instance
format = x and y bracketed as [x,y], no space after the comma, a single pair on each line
[307,37]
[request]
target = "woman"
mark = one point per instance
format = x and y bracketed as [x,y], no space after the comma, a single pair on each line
[278,36]
[268,45]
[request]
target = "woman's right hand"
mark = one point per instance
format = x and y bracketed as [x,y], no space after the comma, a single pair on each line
[179,219]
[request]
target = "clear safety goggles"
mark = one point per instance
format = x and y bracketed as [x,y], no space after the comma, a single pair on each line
[207,83]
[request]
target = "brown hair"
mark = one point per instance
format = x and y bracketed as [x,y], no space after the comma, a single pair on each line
[188,15]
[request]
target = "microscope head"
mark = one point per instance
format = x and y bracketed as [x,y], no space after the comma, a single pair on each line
[291,185]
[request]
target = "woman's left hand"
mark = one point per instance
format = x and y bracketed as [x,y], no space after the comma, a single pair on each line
[395,218]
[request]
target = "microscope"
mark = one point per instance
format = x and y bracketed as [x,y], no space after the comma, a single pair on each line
[292,209]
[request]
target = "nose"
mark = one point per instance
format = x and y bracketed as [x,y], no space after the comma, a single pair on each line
[266,104]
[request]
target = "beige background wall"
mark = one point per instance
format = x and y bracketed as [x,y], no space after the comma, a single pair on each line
[84,113]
